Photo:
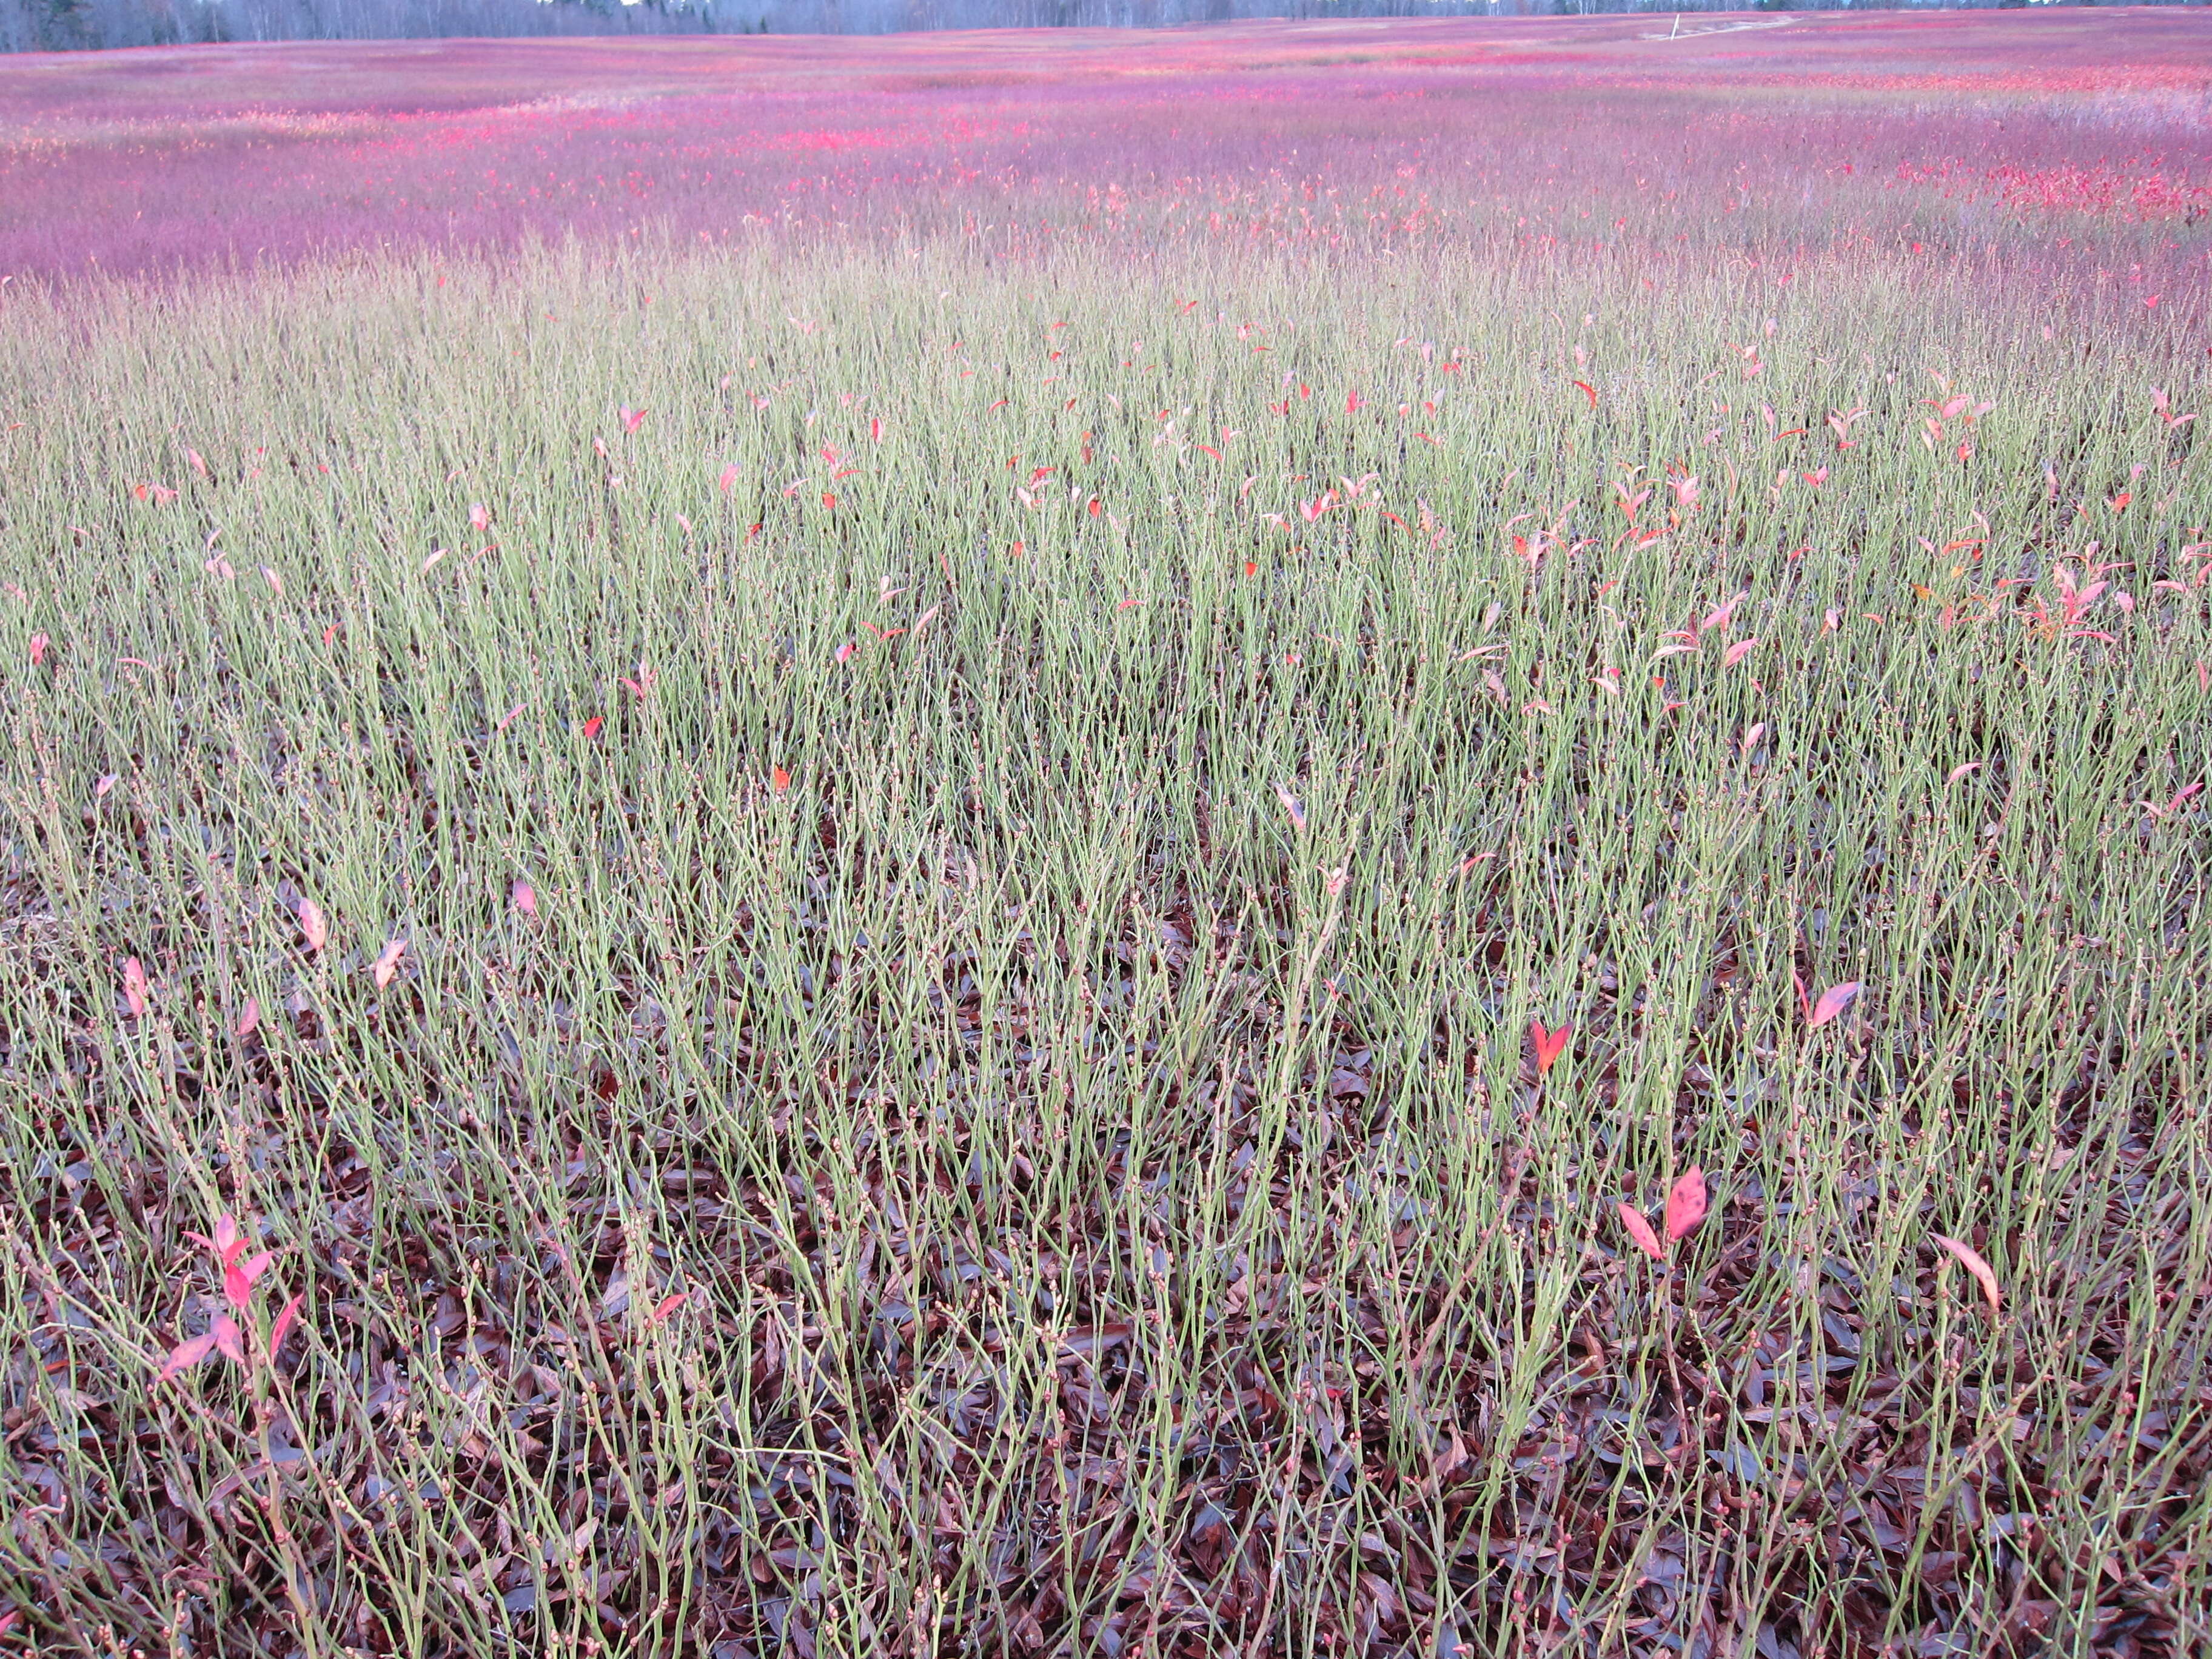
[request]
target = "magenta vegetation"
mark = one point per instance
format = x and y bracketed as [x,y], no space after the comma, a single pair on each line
[1598,132]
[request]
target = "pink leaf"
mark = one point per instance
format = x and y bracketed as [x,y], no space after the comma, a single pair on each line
[730,475]
[1640,1231]
[185,1355]
[480,515]
[134,987]
[669,1305]
[39,644]
[283,1324]
[631,419]
[387,963]
[1958,772]
[192,458]
[1738,652]
[525,898]
[313,927]
[1970,1258]
[1686,1204]
[249,1018]
[1833,1002]
[226,1244]
[1719,615]
[224,1332]
[1548,1045]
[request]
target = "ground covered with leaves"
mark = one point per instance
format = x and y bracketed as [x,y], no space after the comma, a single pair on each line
[894,947]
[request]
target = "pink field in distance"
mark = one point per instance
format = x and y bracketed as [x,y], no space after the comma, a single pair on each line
[2084,132]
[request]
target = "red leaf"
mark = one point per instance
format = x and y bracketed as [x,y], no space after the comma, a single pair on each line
[669,1305]
[779,779]
[525,898]
[134,987]
[283,1324]
[238,1278]
[1970,1258]
[631,419]
[1640,1231]
[1588,390]
[592,725]
[185,1355]
[387,963]
[1548,1045]
[1738,652]
[39,644]
[1833,1002]
[1686,1204]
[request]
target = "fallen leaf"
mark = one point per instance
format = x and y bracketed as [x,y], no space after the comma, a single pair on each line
[1640,1231]
[277,1331]
[387,962]
[134,987]
[1833,1002]
[1548,1045]
[313,927]
[1290,805]
[779,779]
[1970,1258]
[1686,1204]
[249,1018]
[524,897]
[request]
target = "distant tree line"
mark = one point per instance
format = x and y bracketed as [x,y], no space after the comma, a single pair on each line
[75,24]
